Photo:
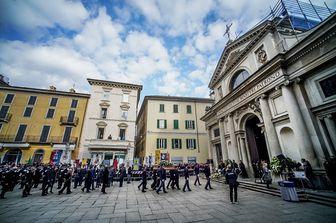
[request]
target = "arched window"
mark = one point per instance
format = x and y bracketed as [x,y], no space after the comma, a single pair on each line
[13,156]
[239,78]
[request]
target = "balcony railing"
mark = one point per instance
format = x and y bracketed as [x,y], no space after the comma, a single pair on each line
[65,120]
[6,118]
[36,139]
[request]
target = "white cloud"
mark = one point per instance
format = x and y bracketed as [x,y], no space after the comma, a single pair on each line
[29,15]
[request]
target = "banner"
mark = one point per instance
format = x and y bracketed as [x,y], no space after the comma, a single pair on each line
[165,156]
[157,156]
[136,162]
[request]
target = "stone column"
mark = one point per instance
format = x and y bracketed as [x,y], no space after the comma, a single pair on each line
[299,127]
[233,139]
[223,141]
[210,150]
[272,137]
[244,152]
[331,127]
[215,158]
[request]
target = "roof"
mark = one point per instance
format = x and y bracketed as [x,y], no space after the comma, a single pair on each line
[43,91]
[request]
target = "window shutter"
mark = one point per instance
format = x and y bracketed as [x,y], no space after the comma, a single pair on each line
[187,143]
[165,124]
[157,143]
[186,124]
[194,143]
[172,143]
[193,124]
[165,143]
[158,123]
[180,143]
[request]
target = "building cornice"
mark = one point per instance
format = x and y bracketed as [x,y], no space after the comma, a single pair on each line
[44,91]
[114,84]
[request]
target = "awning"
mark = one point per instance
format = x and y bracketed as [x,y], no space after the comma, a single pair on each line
[15,145]
[62,147]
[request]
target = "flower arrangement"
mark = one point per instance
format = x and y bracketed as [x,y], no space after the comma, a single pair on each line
[215,175]
[277,166]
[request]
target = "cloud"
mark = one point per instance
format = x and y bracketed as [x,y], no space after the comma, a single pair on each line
[30,15]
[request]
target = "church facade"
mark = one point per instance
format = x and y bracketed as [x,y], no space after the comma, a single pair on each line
[275,93]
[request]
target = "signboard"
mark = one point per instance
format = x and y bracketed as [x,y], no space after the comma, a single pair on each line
[299,174]
[157,156]
[136,162]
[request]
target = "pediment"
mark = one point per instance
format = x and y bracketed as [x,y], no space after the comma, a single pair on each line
[235,51]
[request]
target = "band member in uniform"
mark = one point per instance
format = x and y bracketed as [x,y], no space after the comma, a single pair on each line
[186,177]
[162,177]
[207,174]
[196,169]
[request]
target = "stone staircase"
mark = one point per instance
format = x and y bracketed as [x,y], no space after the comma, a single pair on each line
[319,197]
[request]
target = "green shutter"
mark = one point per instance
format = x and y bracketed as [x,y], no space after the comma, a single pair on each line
[165,124]
[165,143]
[186,122]
[193,124]
[157,143]
[176,124]
[189,109]
[161,107]
[187,143]
[158,123]
[172,143]
[180,143]
[194,143]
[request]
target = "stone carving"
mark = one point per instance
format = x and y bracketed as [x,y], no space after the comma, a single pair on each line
[262,56]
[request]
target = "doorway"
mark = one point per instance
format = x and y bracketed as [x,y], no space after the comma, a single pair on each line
[13,156]
[256,141]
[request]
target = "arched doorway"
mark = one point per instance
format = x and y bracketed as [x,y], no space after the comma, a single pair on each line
[13,156]
[256,140]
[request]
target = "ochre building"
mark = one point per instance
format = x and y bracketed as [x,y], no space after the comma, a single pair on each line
[38,125]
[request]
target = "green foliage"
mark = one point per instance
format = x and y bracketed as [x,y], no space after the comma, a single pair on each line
[277,166]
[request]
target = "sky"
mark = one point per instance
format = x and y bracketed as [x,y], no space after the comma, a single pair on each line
[171,47]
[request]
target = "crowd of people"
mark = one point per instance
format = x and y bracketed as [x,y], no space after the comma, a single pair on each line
[47,177]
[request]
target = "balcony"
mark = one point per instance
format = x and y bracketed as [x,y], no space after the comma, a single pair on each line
[6,118]
[36,139]
[66,120]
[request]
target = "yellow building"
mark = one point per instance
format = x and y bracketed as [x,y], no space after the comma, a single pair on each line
[39,125]
[169,128]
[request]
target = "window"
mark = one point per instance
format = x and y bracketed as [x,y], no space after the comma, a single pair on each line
[161,124]
[20,133]
[176,124]
[27,112]
[50,113]
[176,144]
[100,134]
[3,111]
[177,160]
[191,143]
[44,133]
[190,124]
[32,100]
[53,102]
[189,109]
[74,103]
[328,86]
[9,98]
[103,113]
[216,132]
[124,114]
[161,107]
[67,134]
[161,143]
[122,134]
[125,97]
[239,78]
[192,159]
[71,116]
[175,108]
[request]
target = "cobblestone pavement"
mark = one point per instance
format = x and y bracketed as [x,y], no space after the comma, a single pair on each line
[128,204]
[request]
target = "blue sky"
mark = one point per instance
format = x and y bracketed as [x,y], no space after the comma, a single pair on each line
[171,47]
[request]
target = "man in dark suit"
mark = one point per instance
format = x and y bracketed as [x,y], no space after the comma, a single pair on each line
[122,175]
[196,169]
[144,179]
[162,177]
[186,177]
[207,175]
[176,179]
[105,179]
